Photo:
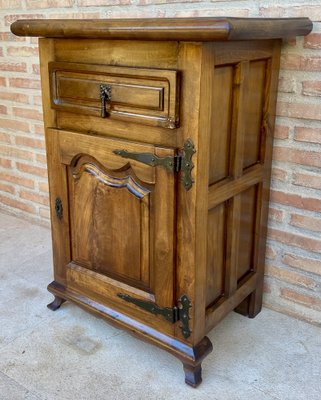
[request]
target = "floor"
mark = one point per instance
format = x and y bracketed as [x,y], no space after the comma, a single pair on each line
[71,354]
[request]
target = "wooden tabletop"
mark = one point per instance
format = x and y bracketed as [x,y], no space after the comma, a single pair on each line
[190,29]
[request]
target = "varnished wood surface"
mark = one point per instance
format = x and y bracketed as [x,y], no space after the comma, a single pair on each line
[189,355]
[144,95]
[195,29]
[131,228]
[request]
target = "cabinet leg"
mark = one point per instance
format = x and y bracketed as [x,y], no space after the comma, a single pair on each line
[58,301]
[251,306]
[193,374]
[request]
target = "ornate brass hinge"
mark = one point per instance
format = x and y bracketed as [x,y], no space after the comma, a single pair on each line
[182,162]
[179,313]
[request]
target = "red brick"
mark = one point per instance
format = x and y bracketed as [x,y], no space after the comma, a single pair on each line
[10,4]
[147,2]
[307,180]
[18,67]
[302,157]
[30,142]
[39,129]
[41,158]
[48,3]
[287,85]
[36,69]
[313,41]
[289,276]
[266,288]
[276,215]
[37,100]
[292,239]
[34,197]
[9,19]
[45,213]
[14,125]
[314,11]
[30,169]
[281,132]
[295,200]
[311,88]
[212,12]
[3,109]
[22,51]
[3,81]
[43,187]
[27,113]
[5,163]
[270,252]
[299,110]
[308,301]
[16,97]
[25,83]
[134,13]
[4,137]
[98,3]
[18,180]
[310,135]
[17,204]
[300,63]
[13,152]
[309,223]
[7,188]
[279,174]
[303,263]
[78,15]
[10,37]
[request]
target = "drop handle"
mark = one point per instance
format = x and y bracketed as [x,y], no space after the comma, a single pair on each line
[105,98]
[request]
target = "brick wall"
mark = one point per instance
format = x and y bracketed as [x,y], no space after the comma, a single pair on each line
[293,278]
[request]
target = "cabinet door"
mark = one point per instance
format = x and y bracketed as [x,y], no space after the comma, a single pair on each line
[113,220]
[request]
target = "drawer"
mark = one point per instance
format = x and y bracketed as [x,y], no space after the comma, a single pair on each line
[141,95]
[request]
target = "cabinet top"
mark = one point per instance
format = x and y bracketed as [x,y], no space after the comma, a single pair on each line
[190,29]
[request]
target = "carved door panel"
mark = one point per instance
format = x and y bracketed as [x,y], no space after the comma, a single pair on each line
[118,217]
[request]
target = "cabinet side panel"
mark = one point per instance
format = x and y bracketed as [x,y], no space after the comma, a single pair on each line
[254,101]
[221,124]
[247,232]
[216,243]
[247,186]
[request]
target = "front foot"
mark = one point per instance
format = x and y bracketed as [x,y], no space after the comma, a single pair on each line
[58,301]
[193,374]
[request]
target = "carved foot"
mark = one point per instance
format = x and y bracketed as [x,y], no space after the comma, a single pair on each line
[193,374]
[58,301]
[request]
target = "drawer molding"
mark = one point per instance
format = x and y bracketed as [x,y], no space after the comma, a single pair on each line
[142,95]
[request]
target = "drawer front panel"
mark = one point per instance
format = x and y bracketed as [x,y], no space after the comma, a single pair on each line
[141,95]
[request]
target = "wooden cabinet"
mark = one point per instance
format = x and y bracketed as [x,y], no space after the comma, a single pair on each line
[159,143]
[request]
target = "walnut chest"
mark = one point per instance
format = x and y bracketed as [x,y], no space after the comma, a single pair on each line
[159,141]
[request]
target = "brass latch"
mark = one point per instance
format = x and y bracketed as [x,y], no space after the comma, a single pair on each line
[179,313]
[182,162]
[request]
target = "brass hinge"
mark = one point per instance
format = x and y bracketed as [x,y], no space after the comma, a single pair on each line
[182,162]
[174,314]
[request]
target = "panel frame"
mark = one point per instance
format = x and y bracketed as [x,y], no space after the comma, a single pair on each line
[80,279]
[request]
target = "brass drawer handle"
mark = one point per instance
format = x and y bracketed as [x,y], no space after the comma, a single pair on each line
[105,97]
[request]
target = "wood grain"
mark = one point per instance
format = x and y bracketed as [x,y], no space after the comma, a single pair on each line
[196,29]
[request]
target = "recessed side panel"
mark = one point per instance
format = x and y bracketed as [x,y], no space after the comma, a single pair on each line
[216,253]
[246,248]
[220,142]
[254,100]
